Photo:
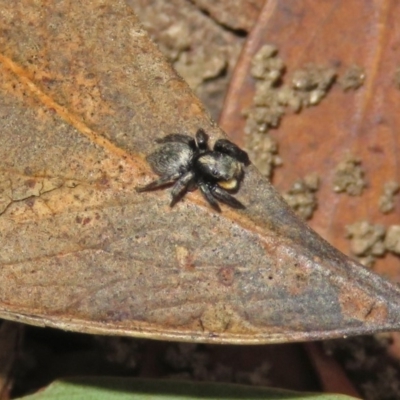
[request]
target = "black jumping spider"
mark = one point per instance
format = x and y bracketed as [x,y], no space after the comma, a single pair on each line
[191,164]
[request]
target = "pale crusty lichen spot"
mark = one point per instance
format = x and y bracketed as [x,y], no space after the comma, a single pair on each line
[302,196]
[273,98]
[349,176]
[386,200]
[366,241]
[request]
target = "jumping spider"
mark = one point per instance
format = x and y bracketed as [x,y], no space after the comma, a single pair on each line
[189,163]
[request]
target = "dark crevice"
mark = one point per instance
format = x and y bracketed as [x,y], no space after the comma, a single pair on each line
[237,32]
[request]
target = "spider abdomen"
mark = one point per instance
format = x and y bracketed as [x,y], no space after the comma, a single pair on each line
[171,159]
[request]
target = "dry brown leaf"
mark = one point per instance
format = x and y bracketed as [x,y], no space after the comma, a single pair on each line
[84,93]
[361,123]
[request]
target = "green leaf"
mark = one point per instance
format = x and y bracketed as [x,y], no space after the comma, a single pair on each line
[142,389]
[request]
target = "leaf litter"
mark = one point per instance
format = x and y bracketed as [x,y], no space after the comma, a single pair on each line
[103,258]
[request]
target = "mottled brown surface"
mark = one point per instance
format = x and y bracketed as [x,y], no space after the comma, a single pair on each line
[200,49]
[84,93]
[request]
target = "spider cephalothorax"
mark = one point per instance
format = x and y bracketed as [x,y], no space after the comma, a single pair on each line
[191,164]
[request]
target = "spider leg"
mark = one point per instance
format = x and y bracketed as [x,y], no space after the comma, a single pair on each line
[178,137]
[201,140]
[227,147]
[181,186]
[223,196]
[158,183]
[206,192]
